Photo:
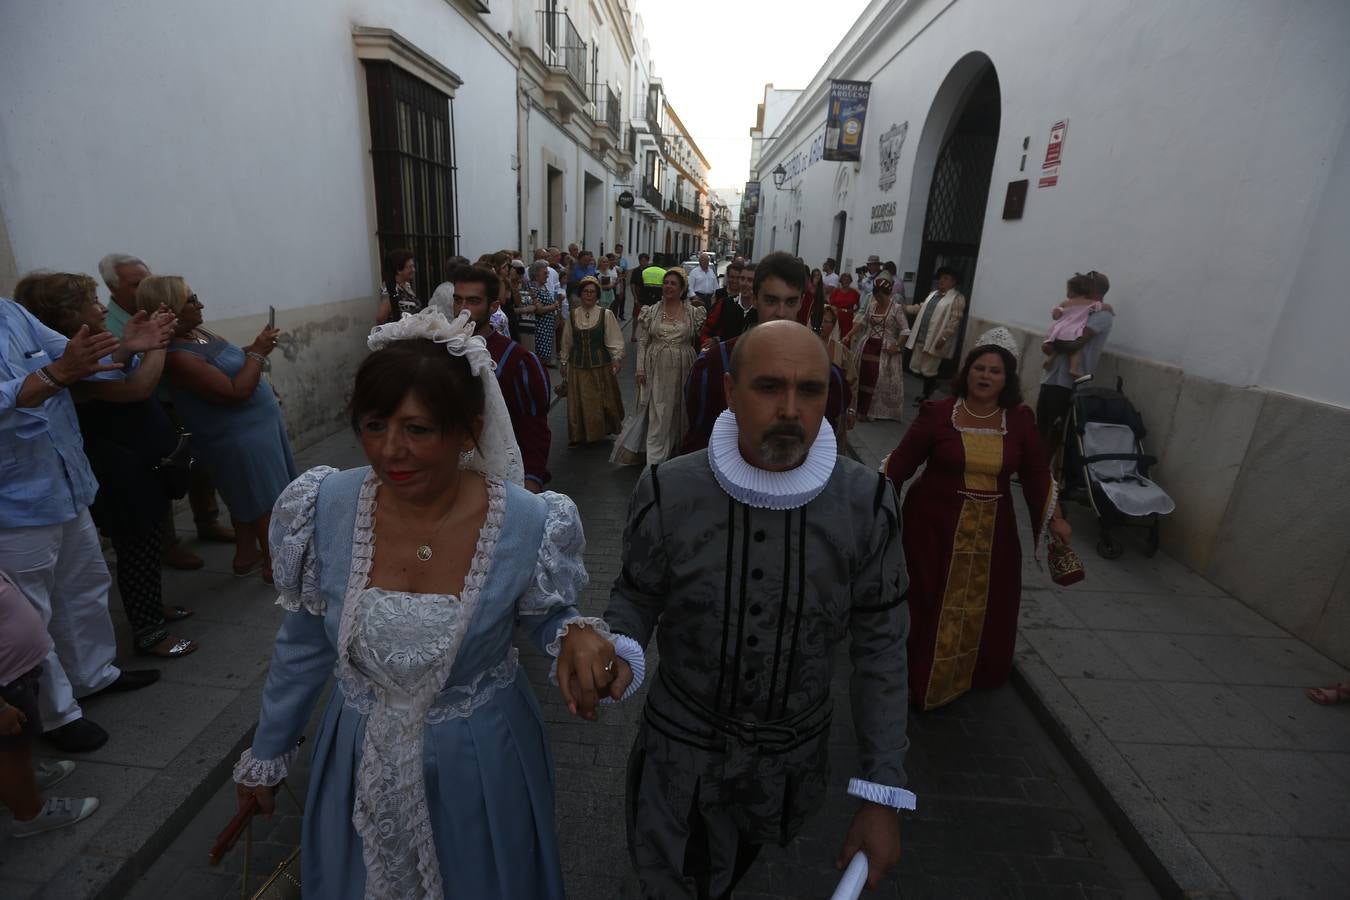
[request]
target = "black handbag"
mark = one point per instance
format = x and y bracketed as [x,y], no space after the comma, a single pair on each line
[175,470]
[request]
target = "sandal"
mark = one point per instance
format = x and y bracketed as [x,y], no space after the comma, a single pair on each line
[176,613]
[180,647]
[1330,696]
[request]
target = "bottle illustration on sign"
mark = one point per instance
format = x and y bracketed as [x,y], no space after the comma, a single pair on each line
[832,132]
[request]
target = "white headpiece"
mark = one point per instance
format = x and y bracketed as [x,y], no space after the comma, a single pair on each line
[498,454]
[1002,338]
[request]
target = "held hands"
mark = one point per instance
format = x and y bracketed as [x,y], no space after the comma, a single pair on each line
[588,669]
[616,367]
[876,832]
[265,342]
[83,354]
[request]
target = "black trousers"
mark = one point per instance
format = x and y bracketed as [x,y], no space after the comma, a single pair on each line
[1052,412]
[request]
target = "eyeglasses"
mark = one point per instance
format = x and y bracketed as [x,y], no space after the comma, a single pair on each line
[193,301]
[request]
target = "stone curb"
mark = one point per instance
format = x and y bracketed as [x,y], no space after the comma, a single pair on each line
[1171,861]
[126,847]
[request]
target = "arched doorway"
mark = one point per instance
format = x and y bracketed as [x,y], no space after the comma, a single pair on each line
[961,135]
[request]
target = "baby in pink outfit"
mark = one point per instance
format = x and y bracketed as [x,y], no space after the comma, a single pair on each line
[1070,318]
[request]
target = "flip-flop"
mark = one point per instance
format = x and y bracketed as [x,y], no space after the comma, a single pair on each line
[176,613]
[1330,696]
[179,648]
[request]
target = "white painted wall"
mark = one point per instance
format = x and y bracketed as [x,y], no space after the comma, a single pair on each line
[227,141]
[1201,139]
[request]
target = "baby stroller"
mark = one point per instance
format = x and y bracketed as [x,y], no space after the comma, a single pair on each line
[1106,467]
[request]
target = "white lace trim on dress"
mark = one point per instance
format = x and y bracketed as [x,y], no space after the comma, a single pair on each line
[253,772]
[761,488]
[291,536]
[390,812]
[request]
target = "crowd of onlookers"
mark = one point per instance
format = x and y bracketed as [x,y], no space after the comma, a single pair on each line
[107,415]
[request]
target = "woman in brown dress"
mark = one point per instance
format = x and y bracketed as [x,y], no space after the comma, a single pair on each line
[592,352]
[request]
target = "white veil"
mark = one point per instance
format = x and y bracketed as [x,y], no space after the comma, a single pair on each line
[498,454]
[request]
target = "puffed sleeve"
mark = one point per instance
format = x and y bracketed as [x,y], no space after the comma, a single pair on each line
[291,536]
[548,608]
[302,655]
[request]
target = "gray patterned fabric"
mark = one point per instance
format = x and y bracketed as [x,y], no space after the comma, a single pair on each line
[751,605]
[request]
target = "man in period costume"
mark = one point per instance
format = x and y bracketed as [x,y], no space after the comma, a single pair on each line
[757,557]
[524,383]
[777,287]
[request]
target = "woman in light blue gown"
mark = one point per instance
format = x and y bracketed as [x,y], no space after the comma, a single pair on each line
[406,579]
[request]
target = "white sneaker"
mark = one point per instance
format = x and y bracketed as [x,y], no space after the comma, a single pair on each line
[57,812]
[50,772]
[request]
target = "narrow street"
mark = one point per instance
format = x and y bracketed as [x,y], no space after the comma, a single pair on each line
[1000,814]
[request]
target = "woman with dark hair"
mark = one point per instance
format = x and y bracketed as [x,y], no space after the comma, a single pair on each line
[876,340]
[960,530]
[126,435]
[431,775]
[398,295]
[592,354]
[666,333]
[845,300]
[813,302]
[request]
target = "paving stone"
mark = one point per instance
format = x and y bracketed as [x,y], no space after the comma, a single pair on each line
[1157,656]
[1130,711]
[1200,791]
[1278,868]
[1221,716]
[1306,794]
[1077,653]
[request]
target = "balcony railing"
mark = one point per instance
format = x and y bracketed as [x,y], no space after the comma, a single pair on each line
[681,213]
[654,124]
[561,47]
[605,107]
[651,195]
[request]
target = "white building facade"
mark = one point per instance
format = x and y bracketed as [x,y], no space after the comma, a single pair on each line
[1201,161]
[272,154]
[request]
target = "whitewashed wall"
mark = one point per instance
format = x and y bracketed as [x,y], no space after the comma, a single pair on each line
[1201,139]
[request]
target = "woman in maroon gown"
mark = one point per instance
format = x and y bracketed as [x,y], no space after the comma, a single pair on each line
[960,531]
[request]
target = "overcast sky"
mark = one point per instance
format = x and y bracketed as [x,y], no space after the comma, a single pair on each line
[715,56]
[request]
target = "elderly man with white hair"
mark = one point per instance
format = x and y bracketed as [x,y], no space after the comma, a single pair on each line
[123,274]
[703,279]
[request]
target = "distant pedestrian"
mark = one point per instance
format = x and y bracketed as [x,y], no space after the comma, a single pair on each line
[726,318]
[633,285]
[665,332]
[845,300]
[608,280]
[703,280]
[546,306]
[1056,392]
[592,354]
[876,343]
[398,294]
[444,296]
[1070,321]
[829,273]
[813,301]
[937,322]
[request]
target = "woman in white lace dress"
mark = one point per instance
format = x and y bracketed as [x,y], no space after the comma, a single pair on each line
[432,775]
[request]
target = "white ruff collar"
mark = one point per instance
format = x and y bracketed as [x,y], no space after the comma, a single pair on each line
[761,488]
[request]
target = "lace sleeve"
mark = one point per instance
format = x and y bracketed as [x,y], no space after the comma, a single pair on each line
[549,605]
[291,536]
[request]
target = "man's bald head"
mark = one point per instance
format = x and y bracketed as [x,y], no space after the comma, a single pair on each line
[778,337]
[777,388]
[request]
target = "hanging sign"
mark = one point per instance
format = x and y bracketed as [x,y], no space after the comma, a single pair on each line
[844,120]
[751,198]
[892,142]
[626,200]
[1054,153]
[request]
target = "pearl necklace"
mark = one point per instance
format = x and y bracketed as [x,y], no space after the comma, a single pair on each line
[974,415]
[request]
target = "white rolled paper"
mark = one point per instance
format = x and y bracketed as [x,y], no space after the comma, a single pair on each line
[854,880]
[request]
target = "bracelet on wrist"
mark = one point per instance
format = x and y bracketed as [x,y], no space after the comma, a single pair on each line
[253,354]
[46,375]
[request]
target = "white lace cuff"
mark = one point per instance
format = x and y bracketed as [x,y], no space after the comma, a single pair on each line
[555,646]
[630,651]
[894,797]
[253,772]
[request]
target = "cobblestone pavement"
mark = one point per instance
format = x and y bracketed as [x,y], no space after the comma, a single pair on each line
[1000,812]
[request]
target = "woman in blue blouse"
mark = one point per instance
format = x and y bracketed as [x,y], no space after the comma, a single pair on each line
[219,391]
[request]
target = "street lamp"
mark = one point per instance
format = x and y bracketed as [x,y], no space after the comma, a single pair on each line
[779,176]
